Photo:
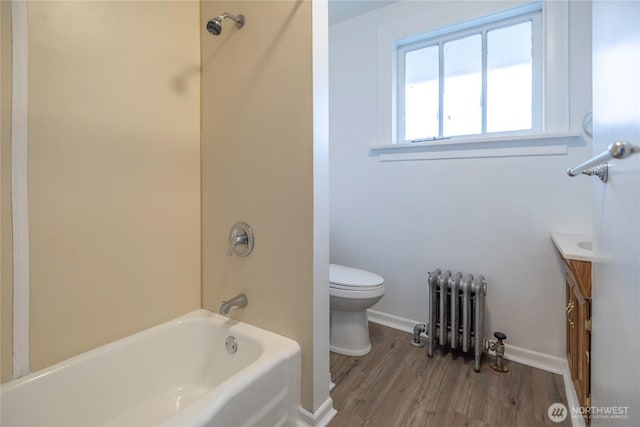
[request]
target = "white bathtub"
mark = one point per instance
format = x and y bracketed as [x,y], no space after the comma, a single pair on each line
[175,374]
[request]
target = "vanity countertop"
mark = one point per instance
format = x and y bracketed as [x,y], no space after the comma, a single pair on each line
[577,247]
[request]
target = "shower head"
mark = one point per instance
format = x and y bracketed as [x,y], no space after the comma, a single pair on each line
[214,26]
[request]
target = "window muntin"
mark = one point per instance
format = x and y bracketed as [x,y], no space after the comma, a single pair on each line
[486,80]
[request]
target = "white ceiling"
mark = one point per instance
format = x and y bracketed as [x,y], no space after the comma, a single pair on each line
[340,10]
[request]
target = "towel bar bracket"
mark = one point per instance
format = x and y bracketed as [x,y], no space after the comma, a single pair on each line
[601,171]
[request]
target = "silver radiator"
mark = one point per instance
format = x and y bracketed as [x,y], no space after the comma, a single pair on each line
[456,311]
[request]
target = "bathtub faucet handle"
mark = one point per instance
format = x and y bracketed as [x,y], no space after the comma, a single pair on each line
[238,301]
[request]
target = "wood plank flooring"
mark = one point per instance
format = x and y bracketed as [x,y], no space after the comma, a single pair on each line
[398,385]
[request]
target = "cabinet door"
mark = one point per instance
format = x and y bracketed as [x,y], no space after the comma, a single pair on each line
[583,315]
[572,335]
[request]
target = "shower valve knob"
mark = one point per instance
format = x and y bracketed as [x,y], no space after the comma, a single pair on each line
[241,239]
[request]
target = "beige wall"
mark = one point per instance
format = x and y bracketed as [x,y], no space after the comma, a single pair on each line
[114,170]
[257,157]
[6,259]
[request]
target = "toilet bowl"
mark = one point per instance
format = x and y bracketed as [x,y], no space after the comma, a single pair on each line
[351,292]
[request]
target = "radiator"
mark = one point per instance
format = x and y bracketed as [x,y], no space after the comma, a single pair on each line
[456,311]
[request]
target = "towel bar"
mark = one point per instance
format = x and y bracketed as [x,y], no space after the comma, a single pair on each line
[617,150]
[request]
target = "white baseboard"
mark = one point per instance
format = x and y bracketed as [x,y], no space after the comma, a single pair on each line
[556,365]
[543,361]
[395,322]
[320,418]
[572,397]
[534,359]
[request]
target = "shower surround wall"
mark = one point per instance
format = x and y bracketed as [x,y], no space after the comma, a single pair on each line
[257,167]
[492,216]
[114,171]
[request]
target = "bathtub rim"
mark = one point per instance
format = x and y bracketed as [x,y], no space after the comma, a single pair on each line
[288,346]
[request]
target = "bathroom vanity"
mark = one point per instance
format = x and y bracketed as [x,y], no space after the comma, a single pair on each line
[576,252]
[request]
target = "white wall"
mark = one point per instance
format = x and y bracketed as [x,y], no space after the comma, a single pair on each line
[490,216]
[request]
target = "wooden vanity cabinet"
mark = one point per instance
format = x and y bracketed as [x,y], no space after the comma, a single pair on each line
[578,325]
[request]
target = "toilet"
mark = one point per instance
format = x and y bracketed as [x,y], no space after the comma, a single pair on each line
[351,292]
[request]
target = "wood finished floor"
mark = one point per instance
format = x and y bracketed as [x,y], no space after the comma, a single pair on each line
[398,385]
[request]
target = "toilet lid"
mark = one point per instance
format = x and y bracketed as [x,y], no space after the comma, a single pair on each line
[342,277]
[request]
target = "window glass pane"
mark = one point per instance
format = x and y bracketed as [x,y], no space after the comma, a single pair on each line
[421,93]
[463,86]
[509,77]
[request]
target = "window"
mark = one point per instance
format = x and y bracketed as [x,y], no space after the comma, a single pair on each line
[481,77]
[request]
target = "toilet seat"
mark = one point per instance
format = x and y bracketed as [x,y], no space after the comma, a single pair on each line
[355,288]
[353,279]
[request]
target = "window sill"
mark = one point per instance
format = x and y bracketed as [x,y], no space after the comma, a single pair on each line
[479,147]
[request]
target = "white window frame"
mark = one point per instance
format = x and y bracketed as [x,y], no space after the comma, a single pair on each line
[554,122]
[479,26]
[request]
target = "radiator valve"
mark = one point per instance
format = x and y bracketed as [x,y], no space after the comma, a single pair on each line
[417,330]
[498,347]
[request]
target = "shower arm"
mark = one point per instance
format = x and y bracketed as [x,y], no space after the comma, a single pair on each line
[239,20]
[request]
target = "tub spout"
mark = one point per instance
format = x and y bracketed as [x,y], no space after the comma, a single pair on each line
[235,302]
